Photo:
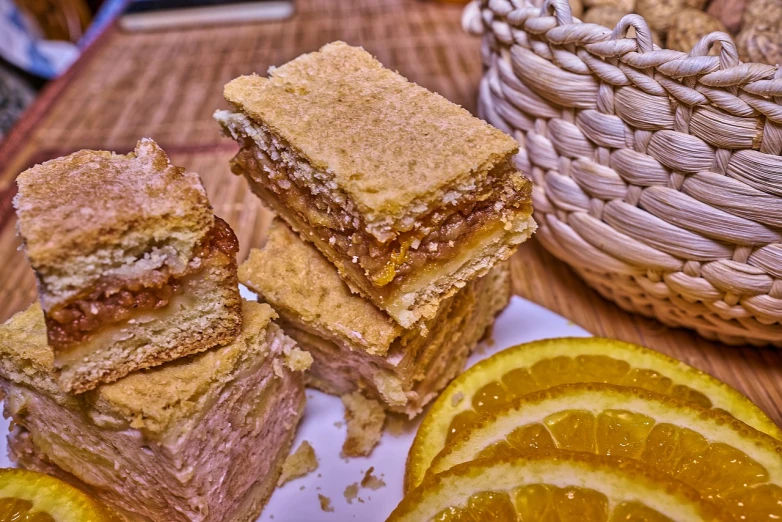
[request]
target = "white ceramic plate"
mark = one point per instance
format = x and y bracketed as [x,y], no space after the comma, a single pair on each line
[323,426]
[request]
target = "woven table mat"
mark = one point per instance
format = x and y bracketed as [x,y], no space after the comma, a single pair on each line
[167,85]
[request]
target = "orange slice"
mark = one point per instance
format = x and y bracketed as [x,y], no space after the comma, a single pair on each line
[725,460]
[526,368]
[27,496]
[554,486]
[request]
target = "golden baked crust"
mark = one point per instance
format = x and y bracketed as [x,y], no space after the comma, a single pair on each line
[307,285]
[25,356]
[151,400]
[386,141]
[23,338]
[92,199]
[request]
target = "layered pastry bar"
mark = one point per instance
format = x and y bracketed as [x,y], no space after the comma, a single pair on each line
[133,267]
[406,193]
[356,346]
[200,439]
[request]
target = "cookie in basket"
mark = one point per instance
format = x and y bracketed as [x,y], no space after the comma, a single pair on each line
[609,16]
[729,12]
[624,6]
[659,14]
[689,26]
[762,13]
[760,44]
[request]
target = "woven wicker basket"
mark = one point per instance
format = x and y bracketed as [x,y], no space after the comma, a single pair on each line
[658,174]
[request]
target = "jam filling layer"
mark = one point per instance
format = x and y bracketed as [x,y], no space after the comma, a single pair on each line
[436,238]
[112,300]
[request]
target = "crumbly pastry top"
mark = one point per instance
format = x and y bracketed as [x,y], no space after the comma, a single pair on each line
[294,276]
[387,142]
[365,419]
[152,399]
[91,199]
[301,462]
[23,341]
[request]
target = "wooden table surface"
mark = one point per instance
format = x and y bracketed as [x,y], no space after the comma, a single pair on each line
[166,85]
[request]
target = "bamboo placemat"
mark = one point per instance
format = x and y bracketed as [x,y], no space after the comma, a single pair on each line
[166,86]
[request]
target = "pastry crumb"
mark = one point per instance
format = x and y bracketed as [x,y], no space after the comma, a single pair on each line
[391,389]
[365,419]
[339,424]
[294,359]
[370,481]
[325,503]
[488,337]
[297,360]
[457,398]
[299,463]
[351,492]
[396,424]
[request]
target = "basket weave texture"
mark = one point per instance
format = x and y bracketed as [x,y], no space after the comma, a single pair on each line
[658,174]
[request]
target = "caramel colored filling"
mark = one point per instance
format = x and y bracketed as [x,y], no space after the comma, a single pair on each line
[112,300]
[436,237]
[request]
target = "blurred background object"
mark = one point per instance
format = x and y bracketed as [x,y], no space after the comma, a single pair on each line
[39,36]
[59,19]
[144,15]
[15,95]
[41,39]
[37,43]
[728,12]
[760,39]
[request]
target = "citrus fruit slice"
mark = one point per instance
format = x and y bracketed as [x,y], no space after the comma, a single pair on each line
[728,462]
[539,365]
[34,497]
[554,485]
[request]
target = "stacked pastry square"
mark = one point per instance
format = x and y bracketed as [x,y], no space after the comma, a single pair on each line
[397,211]
[142,376]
